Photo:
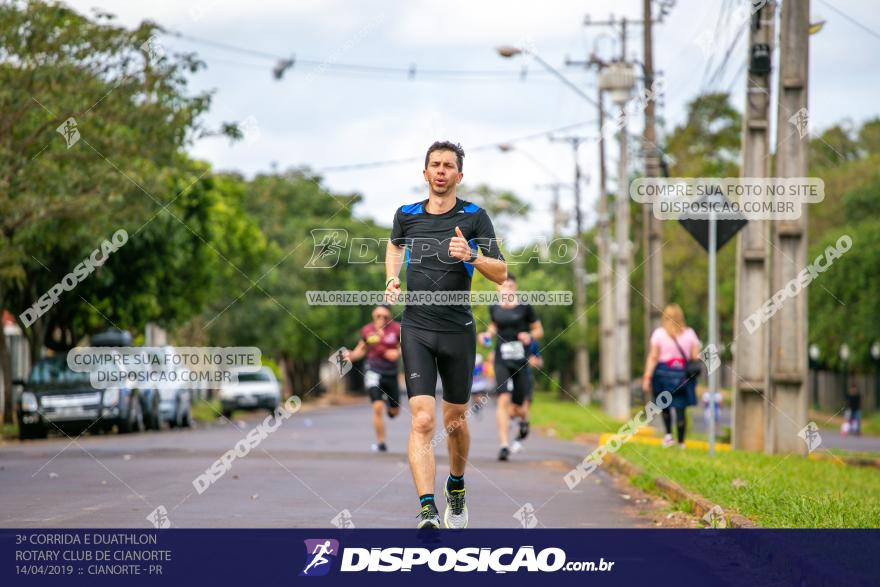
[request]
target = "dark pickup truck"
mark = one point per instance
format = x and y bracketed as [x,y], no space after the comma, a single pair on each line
[58,398]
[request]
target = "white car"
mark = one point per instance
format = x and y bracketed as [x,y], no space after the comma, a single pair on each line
[255,390]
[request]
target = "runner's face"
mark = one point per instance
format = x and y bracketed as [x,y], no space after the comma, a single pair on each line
[507,286]
[381,317]
[442,172]
[507,289]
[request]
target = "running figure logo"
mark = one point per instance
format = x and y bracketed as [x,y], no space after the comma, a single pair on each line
[317,552]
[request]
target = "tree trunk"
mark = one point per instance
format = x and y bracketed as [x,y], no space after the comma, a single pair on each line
[6,373]
[287,373]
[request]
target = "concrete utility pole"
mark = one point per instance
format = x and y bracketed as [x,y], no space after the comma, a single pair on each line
[617,402]
[651,226]
[752,355]
[788,328]
[607,369]
[607,373]
[617,80]
[582,356]
[560,218]
[620,405]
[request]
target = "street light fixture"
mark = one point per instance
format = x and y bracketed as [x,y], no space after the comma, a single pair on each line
[875,354]
[815,354]
[508,51]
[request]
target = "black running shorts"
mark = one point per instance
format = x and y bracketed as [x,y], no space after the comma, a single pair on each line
[382,388]
[427,353]
[516,372]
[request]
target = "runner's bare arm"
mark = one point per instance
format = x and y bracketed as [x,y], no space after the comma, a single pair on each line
[493,269]
[536,330]
[358,352]
[650,365]
[393,263]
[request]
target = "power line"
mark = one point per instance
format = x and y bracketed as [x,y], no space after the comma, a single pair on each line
[495,145]
[410,72]
[365,76]
[852,20]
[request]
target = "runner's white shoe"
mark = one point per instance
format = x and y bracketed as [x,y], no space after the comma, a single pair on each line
[456,514]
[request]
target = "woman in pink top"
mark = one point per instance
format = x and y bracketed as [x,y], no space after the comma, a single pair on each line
[672,346]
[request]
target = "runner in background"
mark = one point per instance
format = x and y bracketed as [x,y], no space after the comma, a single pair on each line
[380,342]
[482,384]
[536,361]
[515,326]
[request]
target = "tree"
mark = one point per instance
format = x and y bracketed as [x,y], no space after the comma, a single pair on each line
[92,119]
[292,209]
[834,146]
[869,136]
[850,287]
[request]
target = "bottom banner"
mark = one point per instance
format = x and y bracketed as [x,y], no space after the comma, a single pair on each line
[397,557]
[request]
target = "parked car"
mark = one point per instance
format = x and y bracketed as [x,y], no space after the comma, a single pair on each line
[56,396]
[149,397]
[175,400]
[253,390]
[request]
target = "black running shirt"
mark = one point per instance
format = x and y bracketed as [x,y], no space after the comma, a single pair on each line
[510,322]
[430,268]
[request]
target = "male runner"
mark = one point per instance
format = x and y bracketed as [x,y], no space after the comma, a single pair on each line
[380,342]
[514,326]
[436,235]
[536,361]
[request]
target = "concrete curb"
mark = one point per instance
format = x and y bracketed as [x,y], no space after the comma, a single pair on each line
[672,490]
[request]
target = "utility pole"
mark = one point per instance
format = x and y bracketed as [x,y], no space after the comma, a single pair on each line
[752,354]
[788,327]
[607,372]
[607,350]
[560,218]
[651,226]
[582,355]
[621,402]
[618,80]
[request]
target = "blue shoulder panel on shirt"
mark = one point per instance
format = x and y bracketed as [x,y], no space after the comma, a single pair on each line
[417,208]
[469,267]
[470,208]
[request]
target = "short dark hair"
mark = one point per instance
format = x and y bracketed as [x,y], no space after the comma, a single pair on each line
[447,146]
[510,277]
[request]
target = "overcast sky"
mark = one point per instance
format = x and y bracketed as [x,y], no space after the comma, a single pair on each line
[323,117]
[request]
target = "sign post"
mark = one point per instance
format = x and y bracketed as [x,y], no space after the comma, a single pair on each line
[713,335]
[713,234]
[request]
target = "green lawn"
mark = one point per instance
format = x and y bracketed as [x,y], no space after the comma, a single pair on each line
[780,491]
[787,492]
[568,418]
[871,424]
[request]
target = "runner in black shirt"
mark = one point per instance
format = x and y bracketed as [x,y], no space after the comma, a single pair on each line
[439,239]
[515,326]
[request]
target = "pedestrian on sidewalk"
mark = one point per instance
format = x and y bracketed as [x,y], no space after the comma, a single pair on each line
[672,347]
[853,424]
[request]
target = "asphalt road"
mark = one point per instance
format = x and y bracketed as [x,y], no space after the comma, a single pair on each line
[315,470]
